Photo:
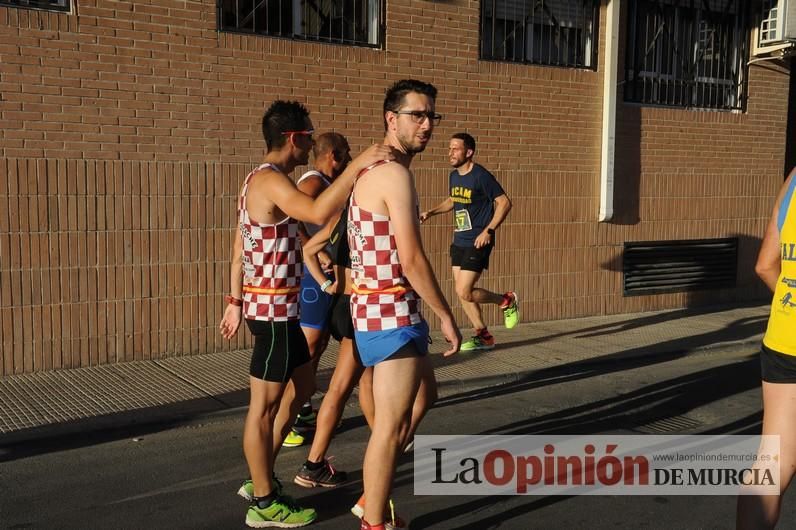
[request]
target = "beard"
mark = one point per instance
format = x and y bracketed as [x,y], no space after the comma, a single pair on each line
[411,145]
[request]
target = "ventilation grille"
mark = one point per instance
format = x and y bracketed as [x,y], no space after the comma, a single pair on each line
[674,266]
[676,424]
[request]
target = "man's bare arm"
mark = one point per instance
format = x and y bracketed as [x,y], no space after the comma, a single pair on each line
[502,209]
[443,207]
[297,205]
[231,320]
[313,247]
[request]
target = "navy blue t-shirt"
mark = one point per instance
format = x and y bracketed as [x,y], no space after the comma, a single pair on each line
[473,198]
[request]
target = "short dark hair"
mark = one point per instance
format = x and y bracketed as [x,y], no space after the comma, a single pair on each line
[330,141]
[283,116]
[396,94]
[469,141]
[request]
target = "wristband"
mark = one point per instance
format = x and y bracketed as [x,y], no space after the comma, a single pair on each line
[490,231]
[232,300]
[325,285]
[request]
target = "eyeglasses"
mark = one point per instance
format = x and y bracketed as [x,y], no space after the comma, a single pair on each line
[307,132]
[418,116]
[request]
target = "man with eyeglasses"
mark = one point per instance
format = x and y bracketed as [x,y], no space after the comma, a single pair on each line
[480,206]
[265,277]
[391,274]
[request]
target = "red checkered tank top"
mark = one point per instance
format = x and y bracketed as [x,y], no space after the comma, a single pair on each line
[381,297]
[272,264]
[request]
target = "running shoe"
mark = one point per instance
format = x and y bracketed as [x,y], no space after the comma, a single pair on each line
[511,311]
[293,439]
[283,512]
[325,476]
[392,522]
[247,488]
[478,343]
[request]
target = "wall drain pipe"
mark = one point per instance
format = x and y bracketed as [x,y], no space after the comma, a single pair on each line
[608,149]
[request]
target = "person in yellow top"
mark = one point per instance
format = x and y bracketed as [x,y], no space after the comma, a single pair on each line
[776,266]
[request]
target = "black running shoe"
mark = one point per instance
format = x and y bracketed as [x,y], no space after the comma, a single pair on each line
[325,476]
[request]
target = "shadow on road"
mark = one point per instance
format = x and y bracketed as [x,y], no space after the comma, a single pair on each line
[633,411]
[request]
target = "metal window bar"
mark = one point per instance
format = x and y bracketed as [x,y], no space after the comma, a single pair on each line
[545,32]
[354,22]
[51,5]
[688,53]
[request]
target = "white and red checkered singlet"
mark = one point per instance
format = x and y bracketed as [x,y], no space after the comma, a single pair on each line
[381,297]
[272,264]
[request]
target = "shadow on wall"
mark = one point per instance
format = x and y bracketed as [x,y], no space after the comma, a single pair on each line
[627,165]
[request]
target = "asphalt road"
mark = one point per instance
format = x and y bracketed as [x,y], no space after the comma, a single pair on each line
[186,476]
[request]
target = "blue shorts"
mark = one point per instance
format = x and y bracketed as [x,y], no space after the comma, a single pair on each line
[373,347]
[314,304]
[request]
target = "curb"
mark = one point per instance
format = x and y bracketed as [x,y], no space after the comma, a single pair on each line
[130,423]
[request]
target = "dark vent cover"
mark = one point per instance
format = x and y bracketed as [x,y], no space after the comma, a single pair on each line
[670,266]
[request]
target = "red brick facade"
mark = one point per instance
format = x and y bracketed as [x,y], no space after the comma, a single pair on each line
[127,126]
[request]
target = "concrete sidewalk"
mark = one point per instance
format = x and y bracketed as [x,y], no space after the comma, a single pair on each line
[52,404]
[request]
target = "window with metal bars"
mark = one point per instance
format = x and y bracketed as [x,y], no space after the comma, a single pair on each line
[355,22]
[52,5]
[687,53]
[546,32]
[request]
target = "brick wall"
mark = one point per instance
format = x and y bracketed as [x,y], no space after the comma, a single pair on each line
[126,127]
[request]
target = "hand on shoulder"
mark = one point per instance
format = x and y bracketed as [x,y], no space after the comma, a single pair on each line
[371,155]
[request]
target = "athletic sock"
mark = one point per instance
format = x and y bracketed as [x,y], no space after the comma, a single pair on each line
[483,332]
[313,466]
[364,525]
[265,502]
[506,301]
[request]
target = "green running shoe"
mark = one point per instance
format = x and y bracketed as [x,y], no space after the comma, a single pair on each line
[282,513]
[293,439]
[511,313]
[247,488]
[478,343]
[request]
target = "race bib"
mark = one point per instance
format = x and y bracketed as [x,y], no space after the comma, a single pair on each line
[463,222]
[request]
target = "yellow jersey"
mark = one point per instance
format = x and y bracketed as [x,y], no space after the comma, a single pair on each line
[781,332]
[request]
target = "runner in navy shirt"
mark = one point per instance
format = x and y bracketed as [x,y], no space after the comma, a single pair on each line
[480,205]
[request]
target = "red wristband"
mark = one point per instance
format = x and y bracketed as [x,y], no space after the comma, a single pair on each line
[232,300]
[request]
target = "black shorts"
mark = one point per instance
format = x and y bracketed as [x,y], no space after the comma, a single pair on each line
[279,348]
[471,258]
[777,367]
[340,324]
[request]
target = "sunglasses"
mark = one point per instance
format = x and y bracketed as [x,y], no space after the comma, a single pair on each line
[307,132]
